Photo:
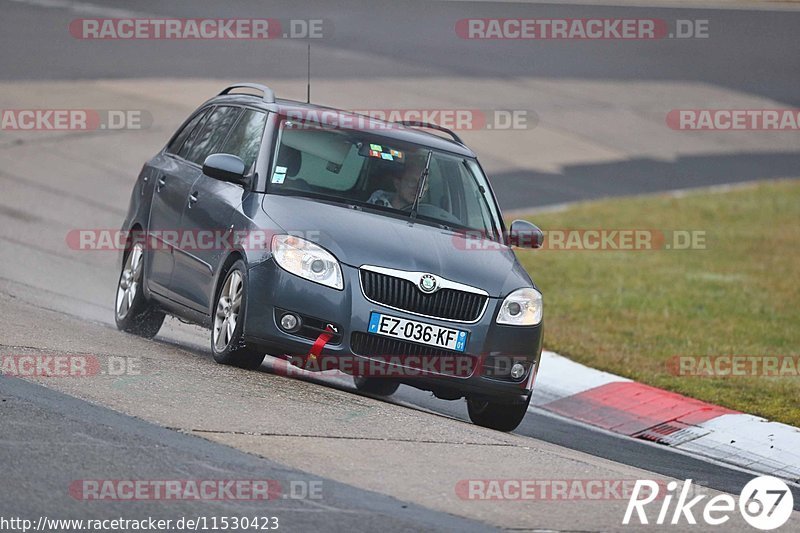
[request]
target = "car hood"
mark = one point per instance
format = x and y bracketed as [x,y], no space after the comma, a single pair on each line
[359,238]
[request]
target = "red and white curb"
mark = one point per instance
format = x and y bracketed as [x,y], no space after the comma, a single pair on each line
[622,406]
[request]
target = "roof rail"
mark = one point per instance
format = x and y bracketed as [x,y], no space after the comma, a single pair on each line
[269,94]
[430,125]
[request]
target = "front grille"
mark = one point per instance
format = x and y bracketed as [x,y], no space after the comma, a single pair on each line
[449,304]
[376,345]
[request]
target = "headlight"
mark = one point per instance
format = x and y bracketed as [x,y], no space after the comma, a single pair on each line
[307,260]
[523,307]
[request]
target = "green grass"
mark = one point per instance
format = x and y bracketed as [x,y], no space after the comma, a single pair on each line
[628,312]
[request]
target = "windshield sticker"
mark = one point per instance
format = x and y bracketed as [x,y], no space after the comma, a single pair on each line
[278,177]
[280,170]
[383,152]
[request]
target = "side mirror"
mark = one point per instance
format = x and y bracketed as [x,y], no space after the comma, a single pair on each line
[225,167]
[525,235]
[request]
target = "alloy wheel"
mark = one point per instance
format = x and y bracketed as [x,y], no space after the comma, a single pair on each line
[129,281]
[228,307]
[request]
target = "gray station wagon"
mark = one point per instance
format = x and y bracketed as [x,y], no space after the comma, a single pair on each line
[334,240]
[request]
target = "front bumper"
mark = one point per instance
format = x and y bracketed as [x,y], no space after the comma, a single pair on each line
[489,345]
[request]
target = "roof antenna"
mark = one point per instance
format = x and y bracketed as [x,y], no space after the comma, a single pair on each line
[308,75]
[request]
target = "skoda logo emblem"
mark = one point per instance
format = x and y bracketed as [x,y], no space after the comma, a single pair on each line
[427,283]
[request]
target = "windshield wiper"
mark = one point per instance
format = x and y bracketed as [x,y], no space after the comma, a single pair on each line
[420,186]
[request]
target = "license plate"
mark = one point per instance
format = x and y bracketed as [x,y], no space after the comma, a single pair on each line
[411,330]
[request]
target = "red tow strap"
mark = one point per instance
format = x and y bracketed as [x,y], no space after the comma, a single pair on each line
[321,341]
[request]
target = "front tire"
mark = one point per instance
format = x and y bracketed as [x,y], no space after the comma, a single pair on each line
[227,328]
[132,312]
[499,416]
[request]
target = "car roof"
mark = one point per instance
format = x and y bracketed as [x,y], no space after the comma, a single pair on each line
[392,130]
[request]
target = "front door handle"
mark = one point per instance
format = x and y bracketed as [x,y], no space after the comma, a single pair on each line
[192,199]
[162,181]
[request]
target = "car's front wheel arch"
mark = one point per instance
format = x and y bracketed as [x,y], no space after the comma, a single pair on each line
[229,316]
[226,265]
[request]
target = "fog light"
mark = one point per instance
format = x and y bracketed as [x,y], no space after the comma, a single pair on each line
[290,322]
[517,371]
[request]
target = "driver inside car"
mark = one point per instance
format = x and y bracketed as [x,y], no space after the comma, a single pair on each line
[405,183]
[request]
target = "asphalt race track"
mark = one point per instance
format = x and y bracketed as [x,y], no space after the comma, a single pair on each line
[390,465]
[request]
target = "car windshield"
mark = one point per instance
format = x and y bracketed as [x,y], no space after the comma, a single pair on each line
[375,172]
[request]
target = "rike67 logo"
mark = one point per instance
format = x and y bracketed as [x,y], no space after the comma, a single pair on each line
[765,503]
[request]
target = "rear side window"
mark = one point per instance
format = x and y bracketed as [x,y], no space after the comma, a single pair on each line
[214,131]
[184,133]
[245,138]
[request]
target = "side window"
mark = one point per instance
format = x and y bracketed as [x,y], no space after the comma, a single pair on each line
[245,138]
[214,131]
[182,135]
[183,151]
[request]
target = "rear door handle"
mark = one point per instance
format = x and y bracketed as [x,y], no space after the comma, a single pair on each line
[192,199]
[162,181]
